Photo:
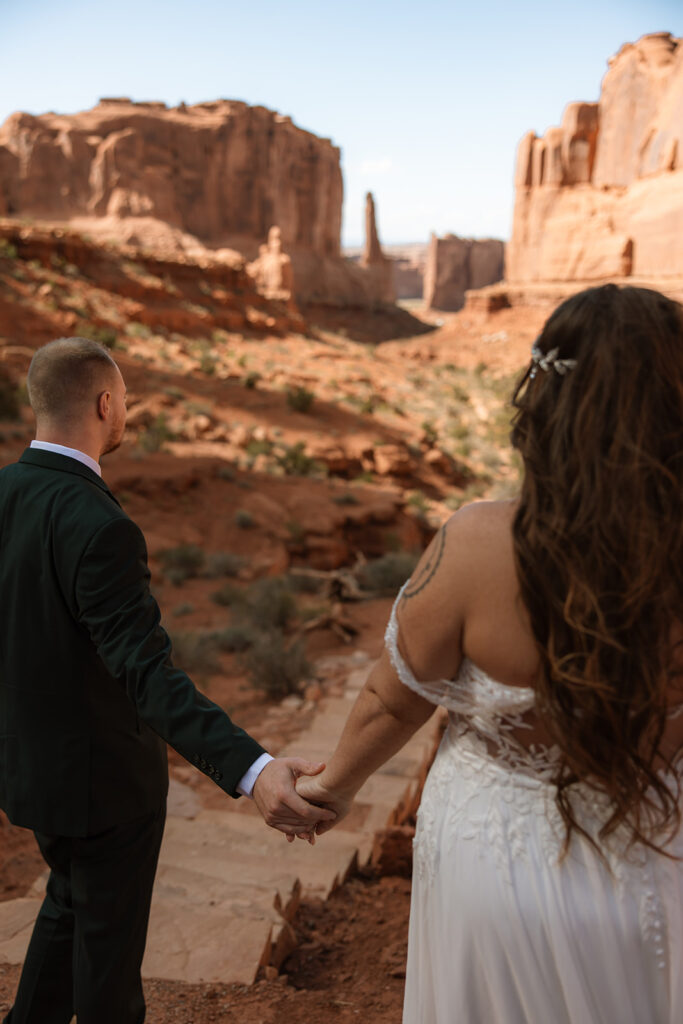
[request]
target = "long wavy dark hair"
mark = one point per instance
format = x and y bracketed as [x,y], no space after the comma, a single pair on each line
[598,538]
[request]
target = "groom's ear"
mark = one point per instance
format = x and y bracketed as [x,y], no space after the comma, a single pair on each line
[103,404]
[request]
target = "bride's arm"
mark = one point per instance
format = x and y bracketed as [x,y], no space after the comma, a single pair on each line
[384,717]
[387,712]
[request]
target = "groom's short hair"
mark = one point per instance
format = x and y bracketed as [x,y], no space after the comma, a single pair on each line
[65,376]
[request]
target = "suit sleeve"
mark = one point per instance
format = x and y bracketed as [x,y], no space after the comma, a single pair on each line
[114,603]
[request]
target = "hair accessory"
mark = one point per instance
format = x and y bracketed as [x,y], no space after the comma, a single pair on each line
[548,361]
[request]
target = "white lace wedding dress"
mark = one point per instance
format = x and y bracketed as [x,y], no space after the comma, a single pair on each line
[501,930]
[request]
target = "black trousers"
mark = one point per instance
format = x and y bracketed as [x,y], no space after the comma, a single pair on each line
[87,945]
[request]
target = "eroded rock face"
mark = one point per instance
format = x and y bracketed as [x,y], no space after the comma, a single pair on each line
[455,265]
[272,270]
[222,171]
[373,260]
[602,195]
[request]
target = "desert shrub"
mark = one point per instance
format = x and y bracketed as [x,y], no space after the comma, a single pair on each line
[346,498]
[156,435]
[300,583]
[8,251]
[300,399]
[258,446]
[276,667]
[106,336]
[295,462]
[243,519]
[229,596]
[418,502]
[271,603]
[235,638]
[195,652]
[183,609]
[138,330]
[9,399]
[385,575]
[430,432]
[250,380]
[182,563]
[223,563]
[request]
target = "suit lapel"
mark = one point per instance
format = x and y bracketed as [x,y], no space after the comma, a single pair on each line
[64,464]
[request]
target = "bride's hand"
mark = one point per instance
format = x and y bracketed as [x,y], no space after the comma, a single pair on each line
[313,789]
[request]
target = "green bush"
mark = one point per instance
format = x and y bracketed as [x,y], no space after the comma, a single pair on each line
[195,652]
[347,498]
[236,638]
[137,330]
[229,595]
[223,563]
[156,435]
[106,336]
[387,574]
[251,380]
[183,609]
[271,603]
[243,519]
[182,563]
[295,462]
[300,399]
[275,667]
[8,251]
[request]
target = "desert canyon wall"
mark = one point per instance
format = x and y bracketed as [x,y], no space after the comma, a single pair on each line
[223,173]
[601,196]
[455,265]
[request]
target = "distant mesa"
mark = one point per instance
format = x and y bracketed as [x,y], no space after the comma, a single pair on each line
[212,176]
[601,196]
[455,265]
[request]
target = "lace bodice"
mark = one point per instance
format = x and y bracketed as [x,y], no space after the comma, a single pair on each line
[492,711]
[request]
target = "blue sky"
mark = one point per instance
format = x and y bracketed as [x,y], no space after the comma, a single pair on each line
[427,100]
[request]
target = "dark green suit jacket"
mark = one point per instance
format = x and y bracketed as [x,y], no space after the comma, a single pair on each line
[88,692]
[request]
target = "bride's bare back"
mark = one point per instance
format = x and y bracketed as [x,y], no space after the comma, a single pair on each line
[463,601]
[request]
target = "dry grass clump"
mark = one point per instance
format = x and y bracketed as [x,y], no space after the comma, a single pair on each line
[276,667]
[385,575]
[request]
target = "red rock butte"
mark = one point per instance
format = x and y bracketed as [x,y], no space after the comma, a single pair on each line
[601,196]
[222,171]
[218,174]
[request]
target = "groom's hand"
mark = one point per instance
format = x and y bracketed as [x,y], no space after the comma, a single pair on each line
[279,803]
[317,792]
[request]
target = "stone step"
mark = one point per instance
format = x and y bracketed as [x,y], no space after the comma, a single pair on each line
[228,887]
[321,868]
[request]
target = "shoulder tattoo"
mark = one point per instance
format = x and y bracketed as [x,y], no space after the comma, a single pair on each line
[427,570]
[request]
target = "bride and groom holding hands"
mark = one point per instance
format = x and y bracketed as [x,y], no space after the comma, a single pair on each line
[547,885]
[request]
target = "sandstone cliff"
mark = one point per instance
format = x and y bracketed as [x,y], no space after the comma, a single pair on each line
[224,171]
[602,195]
[455,265]
[217,175]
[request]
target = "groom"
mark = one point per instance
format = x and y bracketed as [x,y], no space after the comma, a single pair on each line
[88,699]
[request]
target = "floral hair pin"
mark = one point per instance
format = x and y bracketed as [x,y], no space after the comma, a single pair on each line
[549,361]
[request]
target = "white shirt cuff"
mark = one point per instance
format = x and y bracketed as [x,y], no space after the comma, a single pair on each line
[246,784]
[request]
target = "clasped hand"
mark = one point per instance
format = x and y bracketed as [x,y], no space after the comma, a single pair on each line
[285,808]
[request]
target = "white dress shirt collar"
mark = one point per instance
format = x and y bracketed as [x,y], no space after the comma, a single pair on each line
[71,453]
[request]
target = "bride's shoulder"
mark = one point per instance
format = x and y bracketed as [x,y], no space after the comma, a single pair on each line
[483,520]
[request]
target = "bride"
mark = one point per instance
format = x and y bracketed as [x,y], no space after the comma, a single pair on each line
[547,882]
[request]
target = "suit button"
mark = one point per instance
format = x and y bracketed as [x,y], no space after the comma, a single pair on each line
[218,776]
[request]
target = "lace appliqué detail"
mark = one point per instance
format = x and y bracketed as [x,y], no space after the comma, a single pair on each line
[504,789]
